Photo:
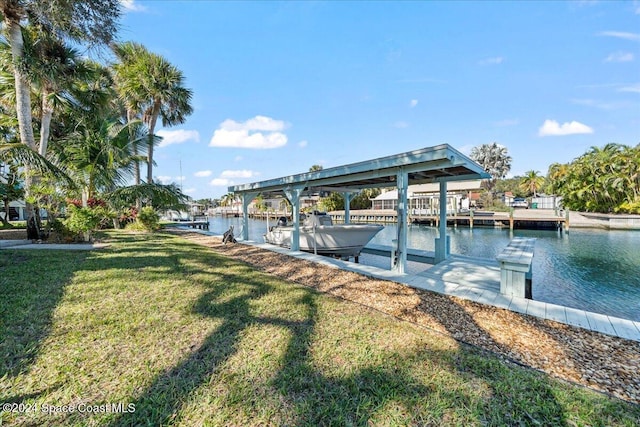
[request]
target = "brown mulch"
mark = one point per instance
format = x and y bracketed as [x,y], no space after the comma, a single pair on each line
[602,362]
[19,234]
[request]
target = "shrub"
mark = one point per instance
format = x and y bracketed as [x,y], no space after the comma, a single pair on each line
[135,226]
[82,221]
[629,207]
[149,219]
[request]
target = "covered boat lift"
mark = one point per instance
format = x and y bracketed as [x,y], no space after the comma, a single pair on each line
[440,164]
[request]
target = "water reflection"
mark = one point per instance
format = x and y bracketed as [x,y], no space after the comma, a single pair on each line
[594,270]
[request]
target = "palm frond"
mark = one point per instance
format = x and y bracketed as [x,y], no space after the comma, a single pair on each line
[163,196]
[26,157]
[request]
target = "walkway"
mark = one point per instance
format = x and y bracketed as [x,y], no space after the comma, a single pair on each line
[27,244]
[478,279]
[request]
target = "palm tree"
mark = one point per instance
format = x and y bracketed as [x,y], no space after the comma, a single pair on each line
[228,199]
[603,180]
[127,86]
[56,66]
[92,21]
[96,155]
[152,88]
[532,182]
[494,159]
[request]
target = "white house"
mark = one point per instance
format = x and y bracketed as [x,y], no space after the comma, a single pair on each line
[423,198]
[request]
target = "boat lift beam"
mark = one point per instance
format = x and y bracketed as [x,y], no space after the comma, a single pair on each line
[246,200]
[293,193]
[442,242]
[348,196]
[399,261]
[441,163]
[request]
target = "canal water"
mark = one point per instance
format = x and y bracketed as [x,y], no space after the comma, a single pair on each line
[589,269]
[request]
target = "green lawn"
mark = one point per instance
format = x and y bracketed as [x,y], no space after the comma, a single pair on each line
[190,338]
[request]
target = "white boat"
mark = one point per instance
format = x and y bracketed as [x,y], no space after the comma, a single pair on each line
[319,235]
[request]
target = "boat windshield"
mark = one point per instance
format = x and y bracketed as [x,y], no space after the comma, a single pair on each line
[318,218]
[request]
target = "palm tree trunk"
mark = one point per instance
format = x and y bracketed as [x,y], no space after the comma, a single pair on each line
[23,94]
[25,121]
[152,127]
[47,114]
[5,218]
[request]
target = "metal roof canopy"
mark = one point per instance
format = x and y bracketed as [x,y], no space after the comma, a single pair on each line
[440,163]
[430,164]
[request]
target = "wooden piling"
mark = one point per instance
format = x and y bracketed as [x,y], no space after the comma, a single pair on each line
[511,219]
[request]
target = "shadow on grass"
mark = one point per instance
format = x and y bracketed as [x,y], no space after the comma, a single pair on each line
[315,398]
[516,399]
[309,394]
[31,286]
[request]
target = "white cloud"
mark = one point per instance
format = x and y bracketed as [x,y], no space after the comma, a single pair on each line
[189,190]
[620,57]
[303,143]
[238,174]
[491,61]
[634,37]
[132,6]
[220,182]
[177,136]
[401,125]
[259,132]
[164,179]
[413,103]
[237,158]
[553,128]
[203,174]
[630,88]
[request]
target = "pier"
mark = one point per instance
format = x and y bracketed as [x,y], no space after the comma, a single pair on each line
[200,222]
[474,279]
[537,219]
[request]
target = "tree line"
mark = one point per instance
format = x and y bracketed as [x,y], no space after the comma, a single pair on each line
[604,179]
[74,129]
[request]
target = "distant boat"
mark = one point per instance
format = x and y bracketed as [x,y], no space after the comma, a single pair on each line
[173,215]
[319,235]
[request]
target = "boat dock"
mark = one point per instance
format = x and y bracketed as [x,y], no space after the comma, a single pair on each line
[541,219]
[475,279]
[201,222]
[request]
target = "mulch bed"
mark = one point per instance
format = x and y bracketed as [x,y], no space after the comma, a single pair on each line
[598,361]
[19,234]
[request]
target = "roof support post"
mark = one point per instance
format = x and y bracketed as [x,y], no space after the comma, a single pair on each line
[247,198]
[399,262]
[348,196]
[442,242]
[293,195]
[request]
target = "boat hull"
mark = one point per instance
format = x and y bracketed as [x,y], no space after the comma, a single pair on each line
[337,240]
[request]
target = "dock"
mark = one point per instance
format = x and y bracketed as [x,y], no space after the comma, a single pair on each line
[199,222]
[536,219]
[477,279]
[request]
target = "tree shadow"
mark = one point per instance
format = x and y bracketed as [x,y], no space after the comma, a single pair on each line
[483,364]
[161,402]
[32,284]
[314,397]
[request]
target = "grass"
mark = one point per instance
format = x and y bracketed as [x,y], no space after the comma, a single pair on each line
[192,338]
[13,225]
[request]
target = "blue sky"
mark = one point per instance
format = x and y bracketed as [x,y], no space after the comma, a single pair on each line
[281,86]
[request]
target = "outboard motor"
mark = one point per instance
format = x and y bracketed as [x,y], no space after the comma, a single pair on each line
[282,221]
